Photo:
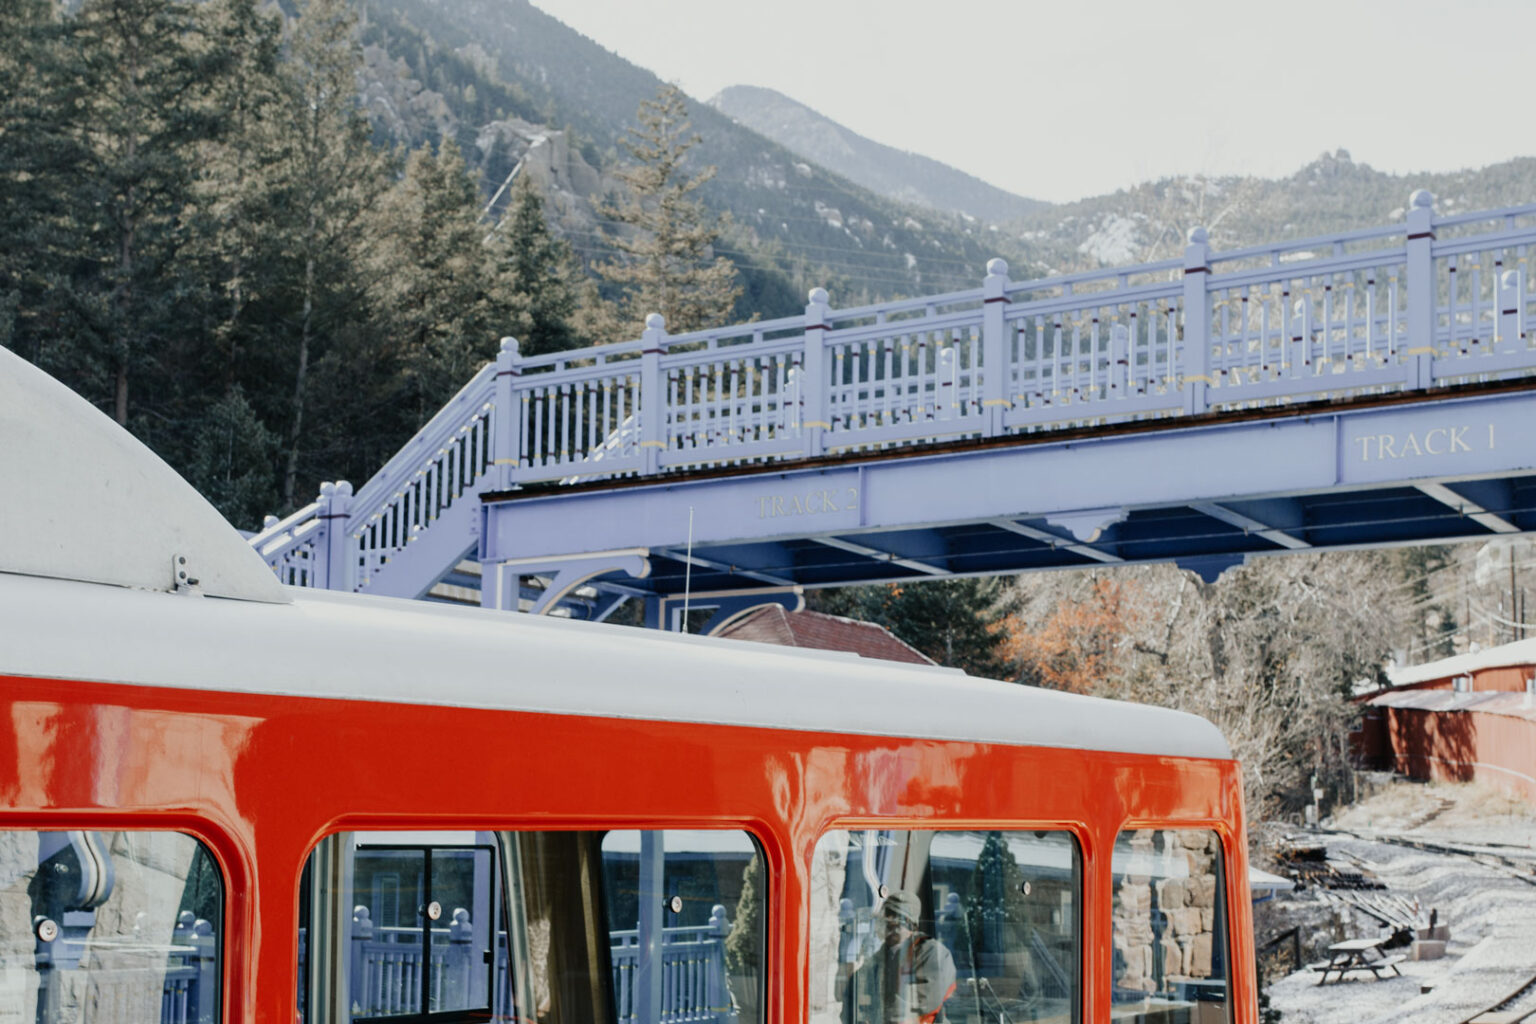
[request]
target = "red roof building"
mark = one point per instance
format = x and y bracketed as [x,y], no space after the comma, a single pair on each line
[771,624]
[1471,717]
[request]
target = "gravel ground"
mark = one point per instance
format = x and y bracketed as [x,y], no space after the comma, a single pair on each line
[1491,913]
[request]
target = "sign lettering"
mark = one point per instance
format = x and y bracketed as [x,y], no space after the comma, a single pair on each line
[1411,445]
[808,503]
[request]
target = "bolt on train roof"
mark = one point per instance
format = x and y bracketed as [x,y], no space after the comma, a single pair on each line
[89,556]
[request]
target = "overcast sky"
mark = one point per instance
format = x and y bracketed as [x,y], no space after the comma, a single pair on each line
[1072,98]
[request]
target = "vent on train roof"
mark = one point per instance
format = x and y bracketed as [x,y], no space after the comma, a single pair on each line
[85,500]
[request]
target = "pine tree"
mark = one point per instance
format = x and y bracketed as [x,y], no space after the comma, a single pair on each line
[956,622]
[996,910]
[596,320]
[744,942]
[433,278]
[235,204]
[538,276]
[34,144]
[142,81]
[666,233]
[329,176]
[231,456]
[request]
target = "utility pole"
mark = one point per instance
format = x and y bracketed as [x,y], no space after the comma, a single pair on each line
[1514,610]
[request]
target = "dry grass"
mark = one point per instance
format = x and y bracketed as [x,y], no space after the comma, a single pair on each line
[1440,808]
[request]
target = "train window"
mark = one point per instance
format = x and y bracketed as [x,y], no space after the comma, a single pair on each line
[965,927]
[637,927]
[109,927]
[1170,928]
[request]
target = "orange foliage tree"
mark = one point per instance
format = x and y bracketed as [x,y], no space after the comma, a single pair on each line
[1082,641]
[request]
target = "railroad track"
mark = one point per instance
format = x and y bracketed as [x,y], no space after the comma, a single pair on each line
[1518,1006]
[1518,869]
[1522,870]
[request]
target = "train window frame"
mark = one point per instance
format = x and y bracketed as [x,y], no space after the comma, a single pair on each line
[1222,931]
[309,969]
[72,932]
[514,958]
[1078,839]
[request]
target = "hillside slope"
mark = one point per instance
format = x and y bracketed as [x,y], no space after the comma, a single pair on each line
[897,174]
[793,220]
[500,74]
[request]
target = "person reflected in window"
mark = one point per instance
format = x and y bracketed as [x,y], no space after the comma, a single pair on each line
[907,977]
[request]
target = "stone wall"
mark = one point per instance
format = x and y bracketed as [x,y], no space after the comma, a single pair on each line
[1165,908]
[829,872]
[121,975]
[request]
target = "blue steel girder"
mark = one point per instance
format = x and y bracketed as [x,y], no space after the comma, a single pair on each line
[1206,497]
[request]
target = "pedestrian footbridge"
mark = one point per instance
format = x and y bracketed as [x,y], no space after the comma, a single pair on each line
[1368,388]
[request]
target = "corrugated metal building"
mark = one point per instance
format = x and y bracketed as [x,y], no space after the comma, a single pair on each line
[1471,717]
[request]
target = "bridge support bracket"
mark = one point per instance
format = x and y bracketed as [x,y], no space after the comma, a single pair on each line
[665,612]
[567,574]
[1210,567]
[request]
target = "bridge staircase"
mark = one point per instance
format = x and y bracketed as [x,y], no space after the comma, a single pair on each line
[1360,388]
[409,528]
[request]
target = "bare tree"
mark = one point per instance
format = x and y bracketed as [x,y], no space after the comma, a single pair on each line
[1271,653]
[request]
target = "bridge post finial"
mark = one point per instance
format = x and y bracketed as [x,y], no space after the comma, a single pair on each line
[653,398]
[812,379]
[994,348]
[335,499]
[1420,286]
[506,440]
[1196,357]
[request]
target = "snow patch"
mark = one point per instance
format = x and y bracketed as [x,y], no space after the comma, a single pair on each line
[1114,242]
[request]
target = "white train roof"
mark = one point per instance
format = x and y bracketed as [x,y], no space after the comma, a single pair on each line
[381,649]
[92,521]
[85,500]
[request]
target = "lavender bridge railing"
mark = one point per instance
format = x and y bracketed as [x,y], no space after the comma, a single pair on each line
[441,468]
[387,972]
[1424,302]
[125,977]
[693,974]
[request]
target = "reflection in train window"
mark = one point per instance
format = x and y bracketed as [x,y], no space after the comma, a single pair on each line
[638,927]
[1170,928]
[109,928]
[963,927]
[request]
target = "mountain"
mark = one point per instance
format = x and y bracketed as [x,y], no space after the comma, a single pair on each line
[514,84]
[1334,192]
[794,223]
[906,177]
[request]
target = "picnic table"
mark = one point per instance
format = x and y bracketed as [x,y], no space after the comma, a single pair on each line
[1357,955]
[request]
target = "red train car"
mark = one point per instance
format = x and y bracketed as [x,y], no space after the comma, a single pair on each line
[224,800]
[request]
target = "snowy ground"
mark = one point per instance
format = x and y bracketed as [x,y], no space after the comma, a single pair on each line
[1492,915]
